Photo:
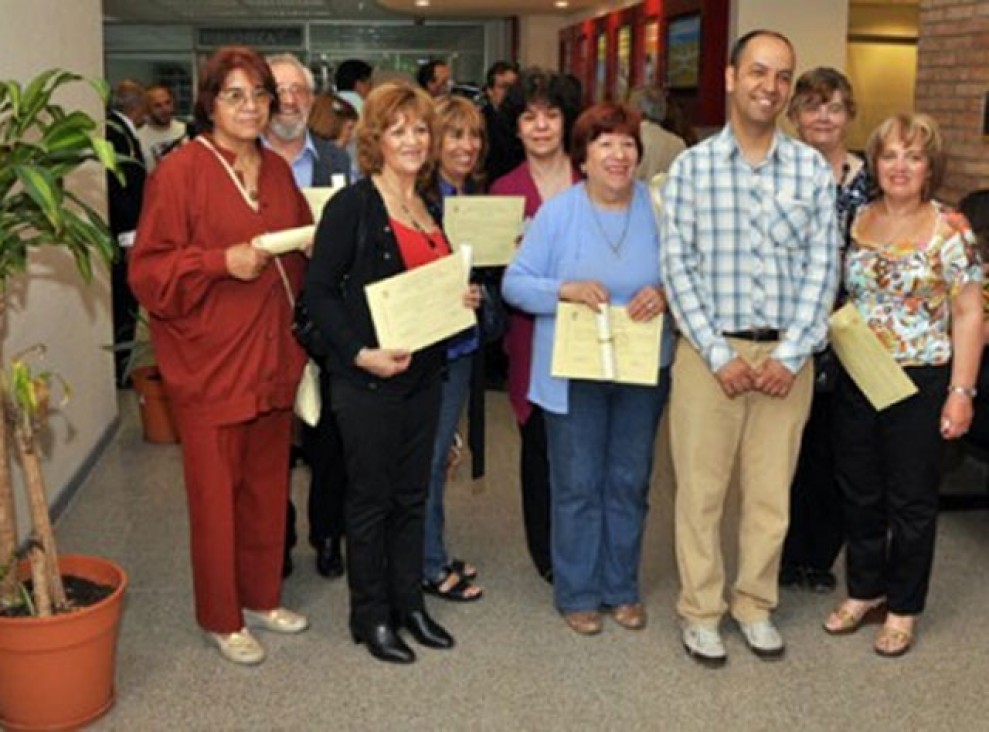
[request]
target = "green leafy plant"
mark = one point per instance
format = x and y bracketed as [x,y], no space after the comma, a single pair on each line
[41,145]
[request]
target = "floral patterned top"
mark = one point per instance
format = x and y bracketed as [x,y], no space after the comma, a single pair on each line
[903,290]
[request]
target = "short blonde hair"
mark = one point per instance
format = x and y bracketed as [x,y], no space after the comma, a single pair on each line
[910,128]
[382,108]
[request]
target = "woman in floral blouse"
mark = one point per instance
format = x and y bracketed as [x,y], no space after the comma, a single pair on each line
[914,275]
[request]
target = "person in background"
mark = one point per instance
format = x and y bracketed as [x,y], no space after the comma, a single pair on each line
[821,110]
[128,110]
[161,132]
[913,274]
[504,149]
[220,321]
[975,207]
[314,162]
[353,82]
[386,401]
[434,77]
[543,106]
[333,118]
[659,146]
[750,264]
[596,244]
[458,148]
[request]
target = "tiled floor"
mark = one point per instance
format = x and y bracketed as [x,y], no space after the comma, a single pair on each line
[516,666]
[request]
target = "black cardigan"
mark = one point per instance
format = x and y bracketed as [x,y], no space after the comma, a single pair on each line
[354,247]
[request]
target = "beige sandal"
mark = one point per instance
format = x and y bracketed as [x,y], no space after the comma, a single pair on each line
[892,642]
[844,621]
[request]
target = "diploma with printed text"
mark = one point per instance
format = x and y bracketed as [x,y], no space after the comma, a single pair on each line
[865,359]
[491,224]
[591,345]
[420,307]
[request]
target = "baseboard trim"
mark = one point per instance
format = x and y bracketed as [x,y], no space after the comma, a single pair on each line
[72,486]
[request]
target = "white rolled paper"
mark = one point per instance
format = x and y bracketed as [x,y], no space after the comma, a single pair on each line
[606,342]
[467,252]
[289,240]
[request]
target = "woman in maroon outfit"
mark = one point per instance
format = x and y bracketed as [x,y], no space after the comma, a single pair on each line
[220,325]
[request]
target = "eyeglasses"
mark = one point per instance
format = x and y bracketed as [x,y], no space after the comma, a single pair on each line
[237,97]
[831,109]
[296,90]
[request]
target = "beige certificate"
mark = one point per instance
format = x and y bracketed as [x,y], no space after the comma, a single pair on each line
[581,348]
[865,359]
[417,308]
[317,198]
[491,224]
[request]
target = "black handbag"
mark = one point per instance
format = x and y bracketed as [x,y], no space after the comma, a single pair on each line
[307,334]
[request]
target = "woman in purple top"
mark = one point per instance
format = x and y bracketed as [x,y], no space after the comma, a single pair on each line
[544,106]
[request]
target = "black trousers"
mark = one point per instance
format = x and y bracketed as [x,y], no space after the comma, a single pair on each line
[388,444]
[535,490]
[125,308]
[815,535]
[889,470]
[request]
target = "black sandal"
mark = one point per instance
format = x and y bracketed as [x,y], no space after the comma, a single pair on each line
[459,566]
[457,592]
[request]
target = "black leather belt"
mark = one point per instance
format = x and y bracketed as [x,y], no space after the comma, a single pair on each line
[758,335]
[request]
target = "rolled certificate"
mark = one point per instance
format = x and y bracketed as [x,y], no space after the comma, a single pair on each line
[289,240]
[467,253]
[607,343]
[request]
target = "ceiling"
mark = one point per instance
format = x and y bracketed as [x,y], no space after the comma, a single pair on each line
[209,11]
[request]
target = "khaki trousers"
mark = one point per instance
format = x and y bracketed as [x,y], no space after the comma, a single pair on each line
[709,434]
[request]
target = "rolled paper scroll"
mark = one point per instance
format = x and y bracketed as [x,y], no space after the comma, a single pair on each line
[289,240]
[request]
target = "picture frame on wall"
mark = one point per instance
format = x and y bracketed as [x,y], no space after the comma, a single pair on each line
[601,68]
[650,52]
[683,51]
[623,74]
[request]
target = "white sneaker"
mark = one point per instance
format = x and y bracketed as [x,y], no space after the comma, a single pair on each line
[763,639]
[240,647]
[278,620]
[703,644]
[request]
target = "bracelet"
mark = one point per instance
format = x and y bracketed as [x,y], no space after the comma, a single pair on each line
[969,391]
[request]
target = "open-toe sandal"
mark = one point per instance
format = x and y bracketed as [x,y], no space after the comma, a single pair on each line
[463,590]
[459,566]
[849,622]
[892,642]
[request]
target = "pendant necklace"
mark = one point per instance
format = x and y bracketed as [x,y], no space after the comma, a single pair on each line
[614,246]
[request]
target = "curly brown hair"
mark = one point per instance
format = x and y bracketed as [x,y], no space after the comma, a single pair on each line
[382,108]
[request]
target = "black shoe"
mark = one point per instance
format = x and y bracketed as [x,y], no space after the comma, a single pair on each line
[426,630]
[791,575]
[820,581]
[384,644]
[329,558]
[546,574]
[287,565]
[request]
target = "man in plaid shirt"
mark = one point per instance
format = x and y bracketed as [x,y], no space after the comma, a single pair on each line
[749,251]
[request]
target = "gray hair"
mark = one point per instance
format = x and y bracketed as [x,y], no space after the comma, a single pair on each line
[289,59]
[127,96]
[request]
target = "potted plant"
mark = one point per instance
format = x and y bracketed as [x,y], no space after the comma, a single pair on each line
[41,145]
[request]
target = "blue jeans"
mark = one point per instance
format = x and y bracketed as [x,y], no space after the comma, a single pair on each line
[600,462]
[456,387]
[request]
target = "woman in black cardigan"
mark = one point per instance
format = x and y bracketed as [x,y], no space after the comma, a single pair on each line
[386,401]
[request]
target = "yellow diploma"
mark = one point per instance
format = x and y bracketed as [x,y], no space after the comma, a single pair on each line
[420,307]
[865,359]
[491,224]
[589,345]
[317,198]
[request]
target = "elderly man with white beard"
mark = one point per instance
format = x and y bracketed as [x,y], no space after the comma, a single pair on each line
[314,162]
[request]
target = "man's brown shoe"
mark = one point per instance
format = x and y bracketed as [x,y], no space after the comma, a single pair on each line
[631,616]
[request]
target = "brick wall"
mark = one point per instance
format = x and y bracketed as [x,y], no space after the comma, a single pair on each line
[952,81]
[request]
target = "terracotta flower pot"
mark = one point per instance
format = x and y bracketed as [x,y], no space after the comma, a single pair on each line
[57,673]
[156,414]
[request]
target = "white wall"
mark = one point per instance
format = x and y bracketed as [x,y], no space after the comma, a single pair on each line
[539,40]
[817,29]
[51,305]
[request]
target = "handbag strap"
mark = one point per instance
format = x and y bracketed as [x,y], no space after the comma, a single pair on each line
[288,287]
[201,139]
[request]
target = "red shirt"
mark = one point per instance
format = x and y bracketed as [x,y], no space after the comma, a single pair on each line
[418,247]
[224,346]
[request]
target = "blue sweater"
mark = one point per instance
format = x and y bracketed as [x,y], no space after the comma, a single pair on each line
[565,242]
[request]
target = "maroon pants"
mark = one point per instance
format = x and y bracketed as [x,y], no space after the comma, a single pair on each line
[237,487]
